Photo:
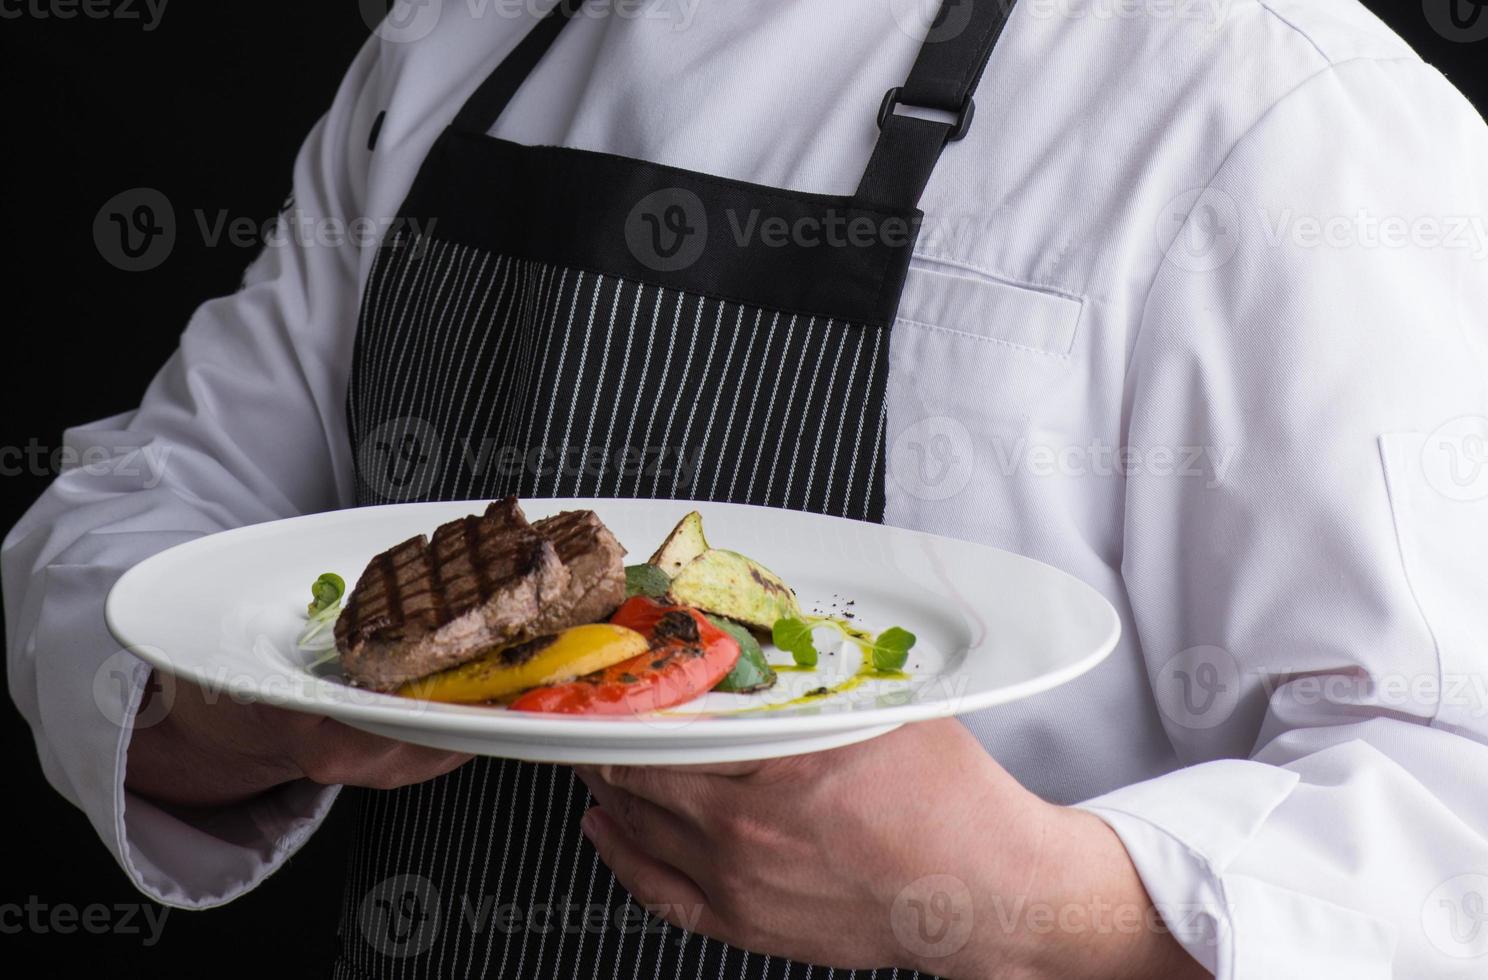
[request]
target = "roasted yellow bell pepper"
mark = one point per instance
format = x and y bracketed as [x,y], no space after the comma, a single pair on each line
[510,670]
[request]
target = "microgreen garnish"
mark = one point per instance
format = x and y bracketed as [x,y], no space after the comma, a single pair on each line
[327,591]
[318,635]
[890,648]
[887,651]
[794,637]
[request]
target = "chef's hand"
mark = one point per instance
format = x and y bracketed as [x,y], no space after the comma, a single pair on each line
[912,850]
[208,750]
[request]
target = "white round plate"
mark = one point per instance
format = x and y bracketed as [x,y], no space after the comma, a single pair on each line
[224,612]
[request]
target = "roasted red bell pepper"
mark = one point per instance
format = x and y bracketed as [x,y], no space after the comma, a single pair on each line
[642,614]
[687,658]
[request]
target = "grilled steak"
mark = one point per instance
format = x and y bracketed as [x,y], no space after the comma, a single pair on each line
[425,606]
[596,569]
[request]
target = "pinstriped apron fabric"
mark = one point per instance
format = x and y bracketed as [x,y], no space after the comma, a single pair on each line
[478,375]
[488,375]
[545,333]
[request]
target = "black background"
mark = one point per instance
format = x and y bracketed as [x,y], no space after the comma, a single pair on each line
[209,107]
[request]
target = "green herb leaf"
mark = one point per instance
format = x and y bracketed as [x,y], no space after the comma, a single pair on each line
[646,580]
[891,648]
[327,592]
[752,672]
[794,637]
[319,632]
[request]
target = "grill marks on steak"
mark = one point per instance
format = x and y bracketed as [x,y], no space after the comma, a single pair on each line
[425,606]
[596,569]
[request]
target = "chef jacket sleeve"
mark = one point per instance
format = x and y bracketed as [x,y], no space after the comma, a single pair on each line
[1306,542]
[244,424]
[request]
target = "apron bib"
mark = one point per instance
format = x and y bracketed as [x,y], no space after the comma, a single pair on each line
[552,322]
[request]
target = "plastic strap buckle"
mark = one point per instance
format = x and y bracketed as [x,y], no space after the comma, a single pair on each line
[963,115]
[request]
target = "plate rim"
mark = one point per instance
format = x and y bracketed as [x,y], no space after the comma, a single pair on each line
[391,710]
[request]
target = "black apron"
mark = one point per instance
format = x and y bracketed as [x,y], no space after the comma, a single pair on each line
[552,322]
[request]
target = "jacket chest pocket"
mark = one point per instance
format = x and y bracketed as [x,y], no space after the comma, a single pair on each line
[988,381]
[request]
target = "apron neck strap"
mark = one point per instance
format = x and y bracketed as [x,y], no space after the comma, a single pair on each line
[483,108]
[957,48]
[945,74]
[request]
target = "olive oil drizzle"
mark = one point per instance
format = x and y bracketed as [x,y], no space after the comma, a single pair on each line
[866,672]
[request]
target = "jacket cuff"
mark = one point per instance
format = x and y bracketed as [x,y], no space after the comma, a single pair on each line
[1185,831]
[209,859]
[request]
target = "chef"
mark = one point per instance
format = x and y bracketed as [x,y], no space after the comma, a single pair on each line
[1189,301]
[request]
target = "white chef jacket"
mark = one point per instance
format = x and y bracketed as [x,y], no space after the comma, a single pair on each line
[1198,315]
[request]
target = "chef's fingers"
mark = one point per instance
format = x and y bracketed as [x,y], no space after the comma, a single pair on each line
[719,768]
[657,887]
[756,769]
[415,764]
[657,831]
[683,793]
[337,754]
